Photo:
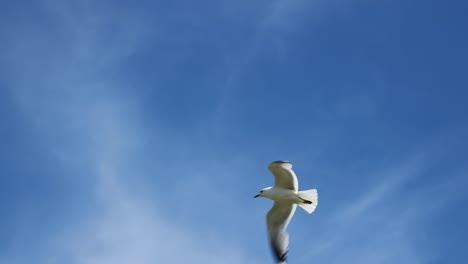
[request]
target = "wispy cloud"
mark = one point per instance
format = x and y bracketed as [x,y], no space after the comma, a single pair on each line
[78,107]
[270,31]
[68,75]
[387,220]
[125,224]
[129,229]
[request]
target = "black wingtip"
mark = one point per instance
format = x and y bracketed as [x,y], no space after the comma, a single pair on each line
[281,161]
[279,256]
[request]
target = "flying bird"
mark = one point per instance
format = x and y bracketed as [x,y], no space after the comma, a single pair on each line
[286,196]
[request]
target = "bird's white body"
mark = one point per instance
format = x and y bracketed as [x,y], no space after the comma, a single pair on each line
[281,195]
[285,192]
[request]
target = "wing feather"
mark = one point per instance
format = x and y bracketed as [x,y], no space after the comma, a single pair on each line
[278,219]
[284,175]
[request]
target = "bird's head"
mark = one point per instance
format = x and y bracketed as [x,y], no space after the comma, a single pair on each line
[263,192]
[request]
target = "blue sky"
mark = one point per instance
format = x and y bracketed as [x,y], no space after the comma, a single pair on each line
[139,131]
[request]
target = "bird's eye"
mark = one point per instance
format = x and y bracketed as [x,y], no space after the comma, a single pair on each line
[261,191]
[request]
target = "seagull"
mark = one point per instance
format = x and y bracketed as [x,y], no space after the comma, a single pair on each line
[286,196]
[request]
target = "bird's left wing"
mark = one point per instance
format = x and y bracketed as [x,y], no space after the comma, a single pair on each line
[284,175]
[277,221]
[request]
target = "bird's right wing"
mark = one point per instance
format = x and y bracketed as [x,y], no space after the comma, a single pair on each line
[277,221]
[284,175]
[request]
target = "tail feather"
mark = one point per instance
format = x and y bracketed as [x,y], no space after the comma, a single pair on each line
[310,198]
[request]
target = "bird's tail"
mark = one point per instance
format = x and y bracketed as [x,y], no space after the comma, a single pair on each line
[310,198]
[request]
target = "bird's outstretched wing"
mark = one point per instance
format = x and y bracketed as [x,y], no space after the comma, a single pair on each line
[277,221]
[284,175]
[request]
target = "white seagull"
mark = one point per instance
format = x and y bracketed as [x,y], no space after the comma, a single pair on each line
[286,196]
